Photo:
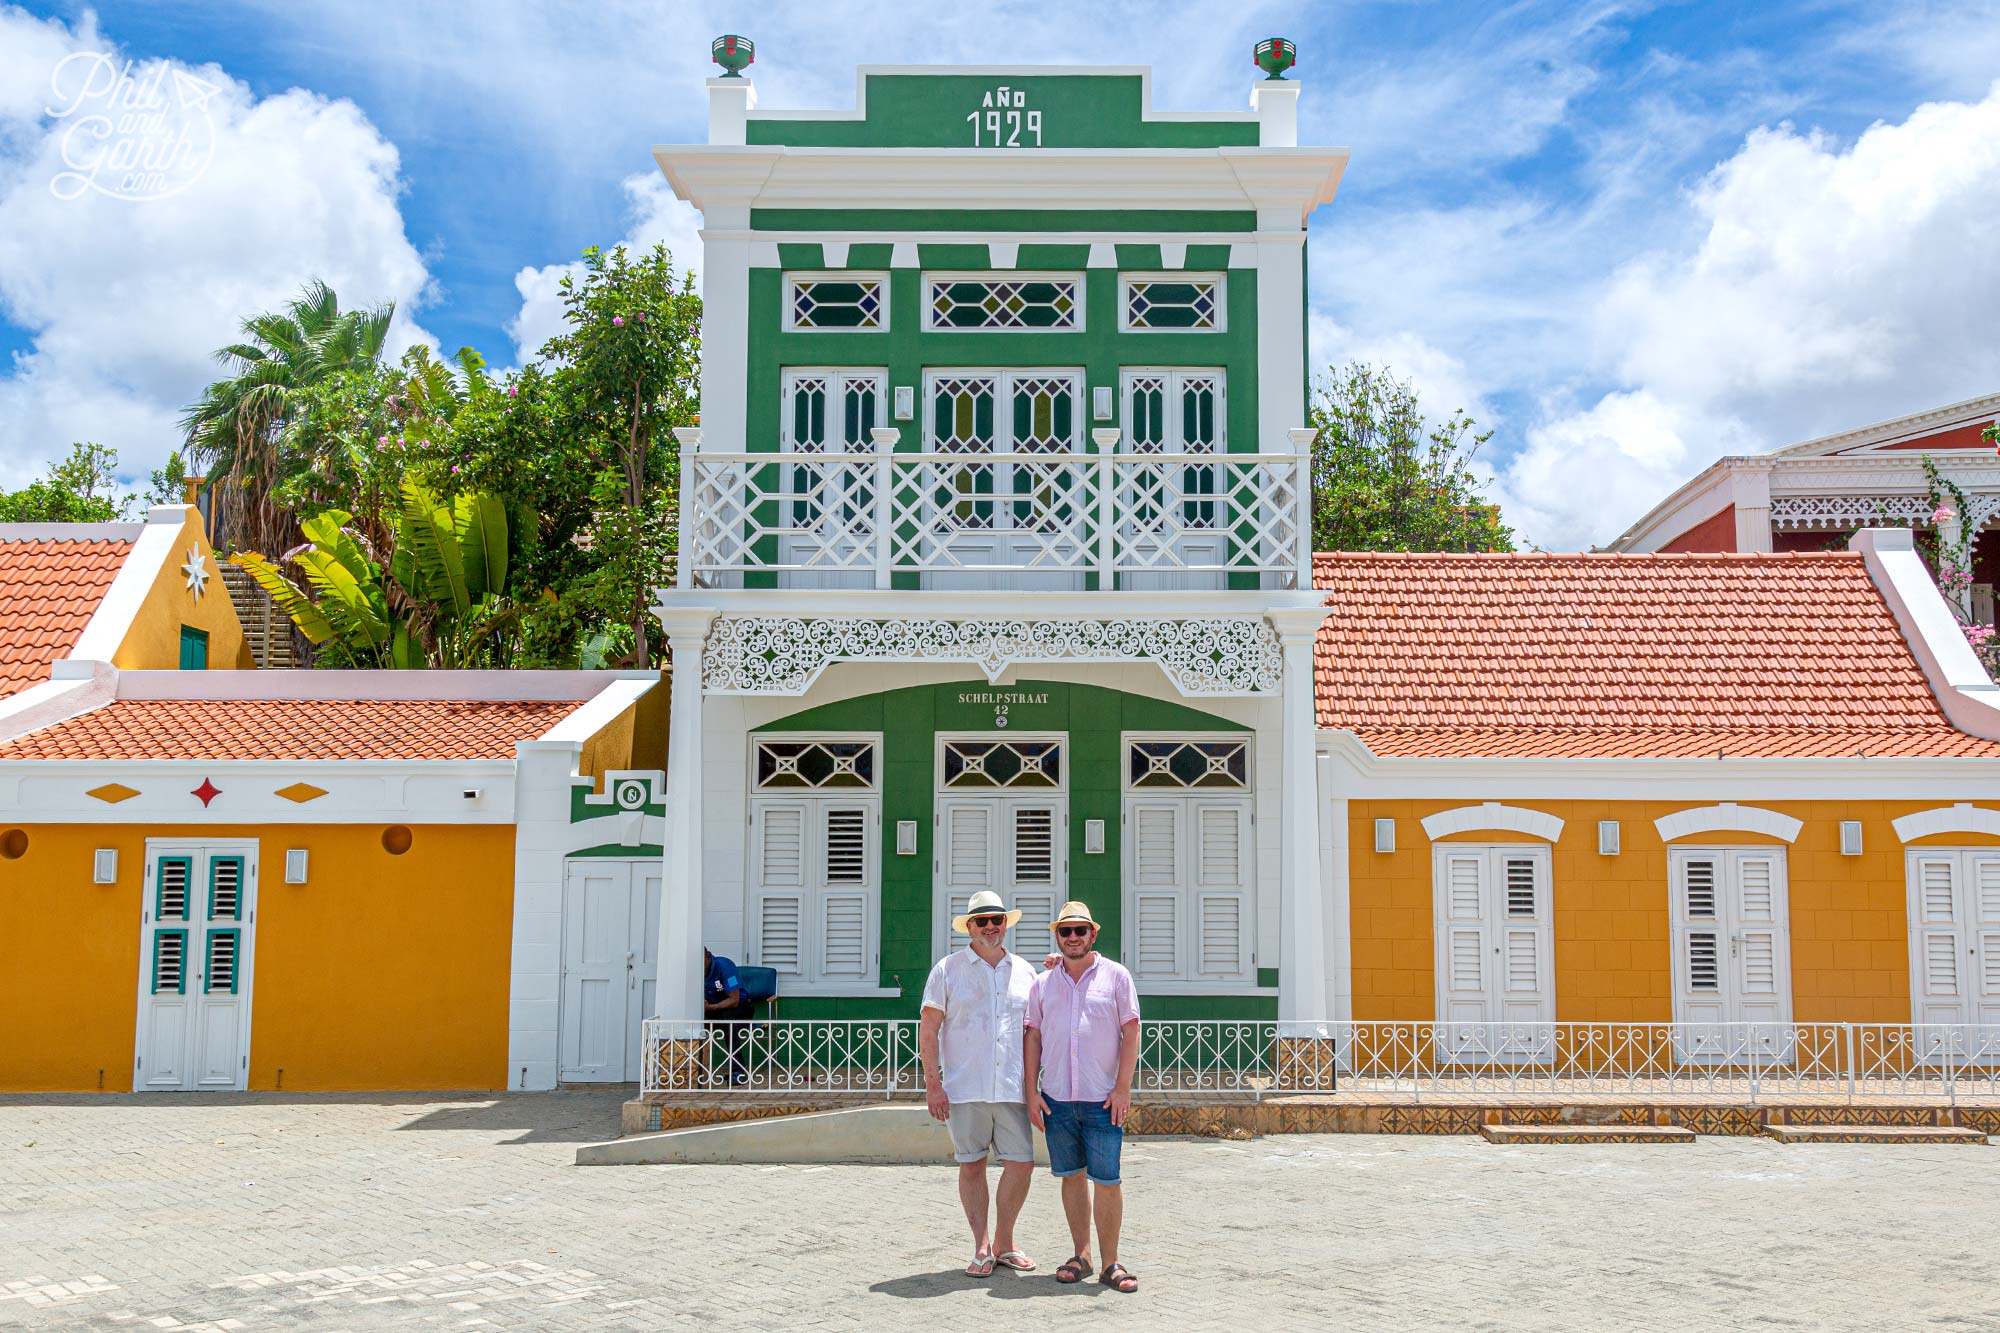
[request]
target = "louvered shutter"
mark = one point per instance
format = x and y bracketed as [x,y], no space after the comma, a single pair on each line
[1221,832]
[1937,946]
[1699,941]
[173,878]
[1035,853]
[778,839]
[1526,982]
[1984,919]
[219,973]
[844,897]
[1157,898]
[1761,942]
[1463,935]
[225,888]
[967,860]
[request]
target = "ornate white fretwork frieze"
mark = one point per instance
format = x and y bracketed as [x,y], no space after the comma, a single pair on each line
[1833,512]
[749,654]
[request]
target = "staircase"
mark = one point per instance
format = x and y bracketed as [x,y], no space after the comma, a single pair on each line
[267,629]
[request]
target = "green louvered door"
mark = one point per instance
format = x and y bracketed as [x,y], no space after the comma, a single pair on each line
[198,921]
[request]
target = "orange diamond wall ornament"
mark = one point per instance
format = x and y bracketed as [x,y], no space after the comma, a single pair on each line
[111,793]
[301,792]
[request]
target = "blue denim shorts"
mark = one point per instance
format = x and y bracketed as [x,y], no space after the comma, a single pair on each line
[1080,1135]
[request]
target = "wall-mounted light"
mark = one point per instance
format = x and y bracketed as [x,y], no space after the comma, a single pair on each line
[1385,835]
[1100,403]
[1850,837]
[1093,837]
[1607,837]
[295,865]
[906,401]
[104,866]
[906,837]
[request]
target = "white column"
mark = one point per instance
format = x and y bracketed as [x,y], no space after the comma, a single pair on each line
[680,974]
[730,102]
[1336,877]
[1276,104]
[1750,494]
[1281,324]
[1302,979]
[1302,444]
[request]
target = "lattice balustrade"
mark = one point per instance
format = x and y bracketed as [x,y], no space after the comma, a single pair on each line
[1001,512]
[1161,499]
[749,513]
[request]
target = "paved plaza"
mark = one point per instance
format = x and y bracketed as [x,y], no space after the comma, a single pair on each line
[370,1211]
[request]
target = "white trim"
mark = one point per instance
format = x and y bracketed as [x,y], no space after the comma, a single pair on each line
[1960,817]
[928,277]
[157,545]
[598,712]
[54,791]
[509,686]
[71,532]
[1220,277]
[1492,815]
[793,277]
[1727,817]
[1963,689]
[1900,429]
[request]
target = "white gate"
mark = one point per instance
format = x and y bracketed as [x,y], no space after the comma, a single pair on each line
[197,929]
[1955,951]
[1496,994]
[1732,961]
[610,962]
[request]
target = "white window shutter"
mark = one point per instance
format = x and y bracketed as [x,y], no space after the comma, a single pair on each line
[1156,934]
[1031,937]
[1033,844]
[843,935]
[1985,931]
[1221,932]
[778,878]
[1156,844]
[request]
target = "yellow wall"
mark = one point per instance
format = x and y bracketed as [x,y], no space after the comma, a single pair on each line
[1850,943]
[636,738]
[382,972]
[153,643]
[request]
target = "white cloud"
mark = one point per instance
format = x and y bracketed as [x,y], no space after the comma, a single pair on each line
[1442,383]
[124,299]
[656,216]
[1830,287]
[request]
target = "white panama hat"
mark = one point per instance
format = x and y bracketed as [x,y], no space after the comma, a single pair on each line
[984,903]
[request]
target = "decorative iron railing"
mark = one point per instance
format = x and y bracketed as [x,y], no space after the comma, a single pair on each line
[1106,520]
[1232,1057]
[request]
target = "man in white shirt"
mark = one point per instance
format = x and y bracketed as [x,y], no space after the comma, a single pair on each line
[971,1044]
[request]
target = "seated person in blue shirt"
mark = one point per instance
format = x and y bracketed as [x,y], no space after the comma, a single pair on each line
[722,999]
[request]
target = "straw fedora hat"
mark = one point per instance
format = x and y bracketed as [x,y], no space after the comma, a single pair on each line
[984,903]
[1070,913]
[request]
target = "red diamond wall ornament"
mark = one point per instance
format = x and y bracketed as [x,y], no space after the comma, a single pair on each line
[208,791]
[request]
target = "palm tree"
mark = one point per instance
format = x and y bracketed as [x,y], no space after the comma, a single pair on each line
[233,431]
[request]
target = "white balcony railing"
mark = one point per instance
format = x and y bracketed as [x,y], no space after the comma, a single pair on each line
[1250,1057]
[1048,521]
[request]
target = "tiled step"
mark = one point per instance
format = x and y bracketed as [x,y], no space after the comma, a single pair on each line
[1873,1134]
[1585,1134]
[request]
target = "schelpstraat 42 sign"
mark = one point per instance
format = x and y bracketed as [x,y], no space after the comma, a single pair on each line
[1004,120]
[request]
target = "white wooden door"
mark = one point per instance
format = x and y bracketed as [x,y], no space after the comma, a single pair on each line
[1495,952]
[1188,889]
[610,942]
[1005,526]
[197,928]
[1732,963]
[1017,846]
[829,521]
[1178,517]
[1955,952]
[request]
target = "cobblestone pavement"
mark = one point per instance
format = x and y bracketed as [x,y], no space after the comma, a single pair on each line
[339,1212]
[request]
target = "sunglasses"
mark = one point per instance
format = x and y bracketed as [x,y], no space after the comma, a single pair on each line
[981,922]
[1069,932]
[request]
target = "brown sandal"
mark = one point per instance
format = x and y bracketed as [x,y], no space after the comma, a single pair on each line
[1119,1278]
[1074,1269]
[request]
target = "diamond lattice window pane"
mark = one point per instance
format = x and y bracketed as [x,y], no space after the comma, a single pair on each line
[849,304]
[1187,305]
[1050,304]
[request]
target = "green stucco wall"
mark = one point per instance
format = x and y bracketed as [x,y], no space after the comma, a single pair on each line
[930,110]
[909,720]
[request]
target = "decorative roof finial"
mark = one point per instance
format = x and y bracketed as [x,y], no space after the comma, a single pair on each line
[1275,55]
[734,54]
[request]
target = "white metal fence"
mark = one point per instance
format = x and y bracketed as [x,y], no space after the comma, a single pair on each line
[858,519]
[1228,1057]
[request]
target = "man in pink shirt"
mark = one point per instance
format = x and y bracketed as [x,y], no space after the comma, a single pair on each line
[1081,1051]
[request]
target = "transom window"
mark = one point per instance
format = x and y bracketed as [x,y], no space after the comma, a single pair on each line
[832,410]
[836,302]
[814,765]
[1171,303]
[1035,302]
[1173,411]
[1171,764]
[1017,765]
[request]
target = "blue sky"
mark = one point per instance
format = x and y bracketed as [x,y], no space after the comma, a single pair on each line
[1628,237]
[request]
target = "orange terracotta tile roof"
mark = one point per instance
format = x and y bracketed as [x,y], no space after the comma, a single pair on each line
[1791,655]
[295,729]
[48,592]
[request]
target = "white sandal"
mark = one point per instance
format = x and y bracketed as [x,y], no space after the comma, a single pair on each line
[1017,1261]
[981,1266]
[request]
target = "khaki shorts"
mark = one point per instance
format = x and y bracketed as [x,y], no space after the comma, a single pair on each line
[1000,1129]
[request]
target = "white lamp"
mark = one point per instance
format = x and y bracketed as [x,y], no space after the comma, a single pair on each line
[295,865]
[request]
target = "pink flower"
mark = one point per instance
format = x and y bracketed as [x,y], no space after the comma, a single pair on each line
[454,467]
[382,440]
[618,321]
[512,390]
[1943,514]
[641,317]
